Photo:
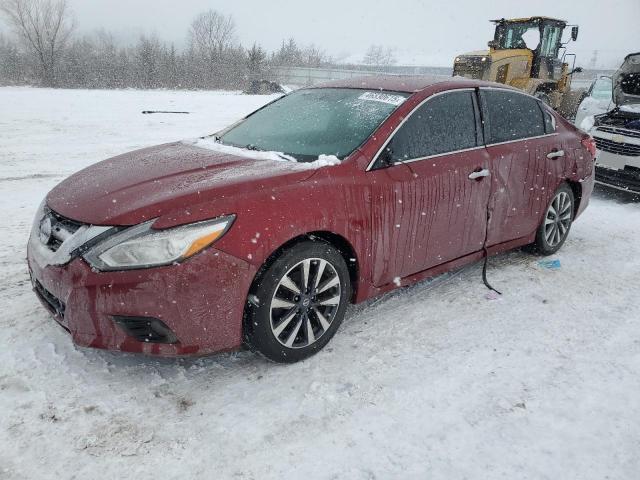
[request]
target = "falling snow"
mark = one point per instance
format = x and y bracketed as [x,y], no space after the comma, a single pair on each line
[439,380]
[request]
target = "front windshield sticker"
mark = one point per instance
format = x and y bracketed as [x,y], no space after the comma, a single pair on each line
[382,97]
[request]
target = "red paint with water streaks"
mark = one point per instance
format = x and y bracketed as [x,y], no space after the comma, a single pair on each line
[407,221]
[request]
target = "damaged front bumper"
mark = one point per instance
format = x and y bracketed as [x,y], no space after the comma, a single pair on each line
[617,157]
[192,308]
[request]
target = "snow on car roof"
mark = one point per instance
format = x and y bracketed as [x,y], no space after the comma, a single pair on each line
[405,83]
[397,83]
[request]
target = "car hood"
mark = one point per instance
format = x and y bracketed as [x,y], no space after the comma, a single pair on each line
[626,81]
[177,177]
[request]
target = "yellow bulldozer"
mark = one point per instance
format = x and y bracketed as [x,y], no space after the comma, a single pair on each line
[528,53]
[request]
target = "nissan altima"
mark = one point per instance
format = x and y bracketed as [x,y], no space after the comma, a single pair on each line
[263,233]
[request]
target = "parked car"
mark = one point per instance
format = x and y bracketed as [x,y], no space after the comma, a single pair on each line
[264,232]
[599,99]
[617,132]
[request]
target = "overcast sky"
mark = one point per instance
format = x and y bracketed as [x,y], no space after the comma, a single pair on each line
[421,31]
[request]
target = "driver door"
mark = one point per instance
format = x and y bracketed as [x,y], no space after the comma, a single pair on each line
[425,208]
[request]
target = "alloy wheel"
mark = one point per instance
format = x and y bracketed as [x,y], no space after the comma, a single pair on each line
[558,219]
[305,302]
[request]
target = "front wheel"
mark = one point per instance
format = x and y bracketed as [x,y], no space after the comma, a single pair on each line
[298,302]
[555,226]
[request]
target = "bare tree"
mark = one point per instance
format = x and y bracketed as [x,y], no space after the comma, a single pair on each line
[212,42]
[313,56]
[11,63]
[379,56]
[212,33]
[44,27]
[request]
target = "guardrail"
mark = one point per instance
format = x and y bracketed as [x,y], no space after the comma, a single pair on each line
[305,76]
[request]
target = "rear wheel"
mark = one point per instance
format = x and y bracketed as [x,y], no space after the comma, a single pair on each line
[555,226]
[298,303]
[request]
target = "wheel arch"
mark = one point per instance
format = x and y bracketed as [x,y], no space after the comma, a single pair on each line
[340,243]
[576,188]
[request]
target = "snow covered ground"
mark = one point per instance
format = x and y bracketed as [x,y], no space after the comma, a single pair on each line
[434,381]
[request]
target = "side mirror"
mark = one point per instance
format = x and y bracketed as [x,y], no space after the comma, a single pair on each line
[492,44]
[574,33]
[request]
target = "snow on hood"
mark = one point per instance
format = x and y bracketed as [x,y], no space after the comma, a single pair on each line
[626,81]
[587,123]
[634,108]
[211,144]
[148,183]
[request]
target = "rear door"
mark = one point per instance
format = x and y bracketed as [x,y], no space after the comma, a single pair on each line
[425,208]
[527,162]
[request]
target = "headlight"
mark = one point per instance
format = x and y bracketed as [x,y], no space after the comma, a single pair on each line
[35,226]
[142,247]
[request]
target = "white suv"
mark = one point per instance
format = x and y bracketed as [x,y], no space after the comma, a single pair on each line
[617,132]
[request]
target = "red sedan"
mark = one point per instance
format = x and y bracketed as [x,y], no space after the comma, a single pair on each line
[264,232]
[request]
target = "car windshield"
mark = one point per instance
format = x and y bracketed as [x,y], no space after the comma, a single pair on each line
[312,122]
[602,89]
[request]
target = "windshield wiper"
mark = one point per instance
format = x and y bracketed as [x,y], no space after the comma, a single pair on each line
[284,157]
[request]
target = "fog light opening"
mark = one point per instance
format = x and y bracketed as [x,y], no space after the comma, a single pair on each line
[146,329]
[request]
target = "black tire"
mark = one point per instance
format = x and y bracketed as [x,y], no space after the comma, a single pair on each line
[546,244]
[284,333]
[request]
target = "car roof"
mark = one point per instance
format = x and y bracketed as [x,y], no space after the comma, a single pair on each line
[405,83]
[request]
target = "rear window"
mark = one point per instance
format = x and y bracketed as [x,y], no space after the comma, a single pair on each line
[511,116]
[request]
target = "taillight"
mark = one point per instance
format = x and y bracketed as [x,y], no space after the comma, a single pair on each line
[590,144]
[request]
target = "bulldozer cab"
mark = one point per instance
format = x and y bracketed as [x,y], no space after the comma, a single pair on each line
[541,35]
[529,54]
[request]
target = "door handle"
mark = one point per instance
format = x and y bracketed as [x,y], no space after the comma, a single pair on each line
[479,174]
[555,154]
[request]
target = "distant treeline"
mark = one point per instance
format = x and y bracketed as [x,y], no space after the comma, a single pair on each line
[97,61]
[212,59]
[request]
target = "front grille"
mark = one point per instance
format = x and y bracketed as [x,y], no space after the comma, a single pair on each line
[56,305]
[626,149]
[61,228]
[618,131]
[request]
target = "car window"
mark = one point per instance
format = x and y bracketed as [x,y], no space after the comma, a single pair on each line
[549,121]
[601,89]
[445,123]
[511,116]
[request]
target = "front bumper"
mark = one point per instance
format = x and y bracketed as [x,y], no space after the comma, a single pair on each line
[618,171]
[201,301]
[627,179]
